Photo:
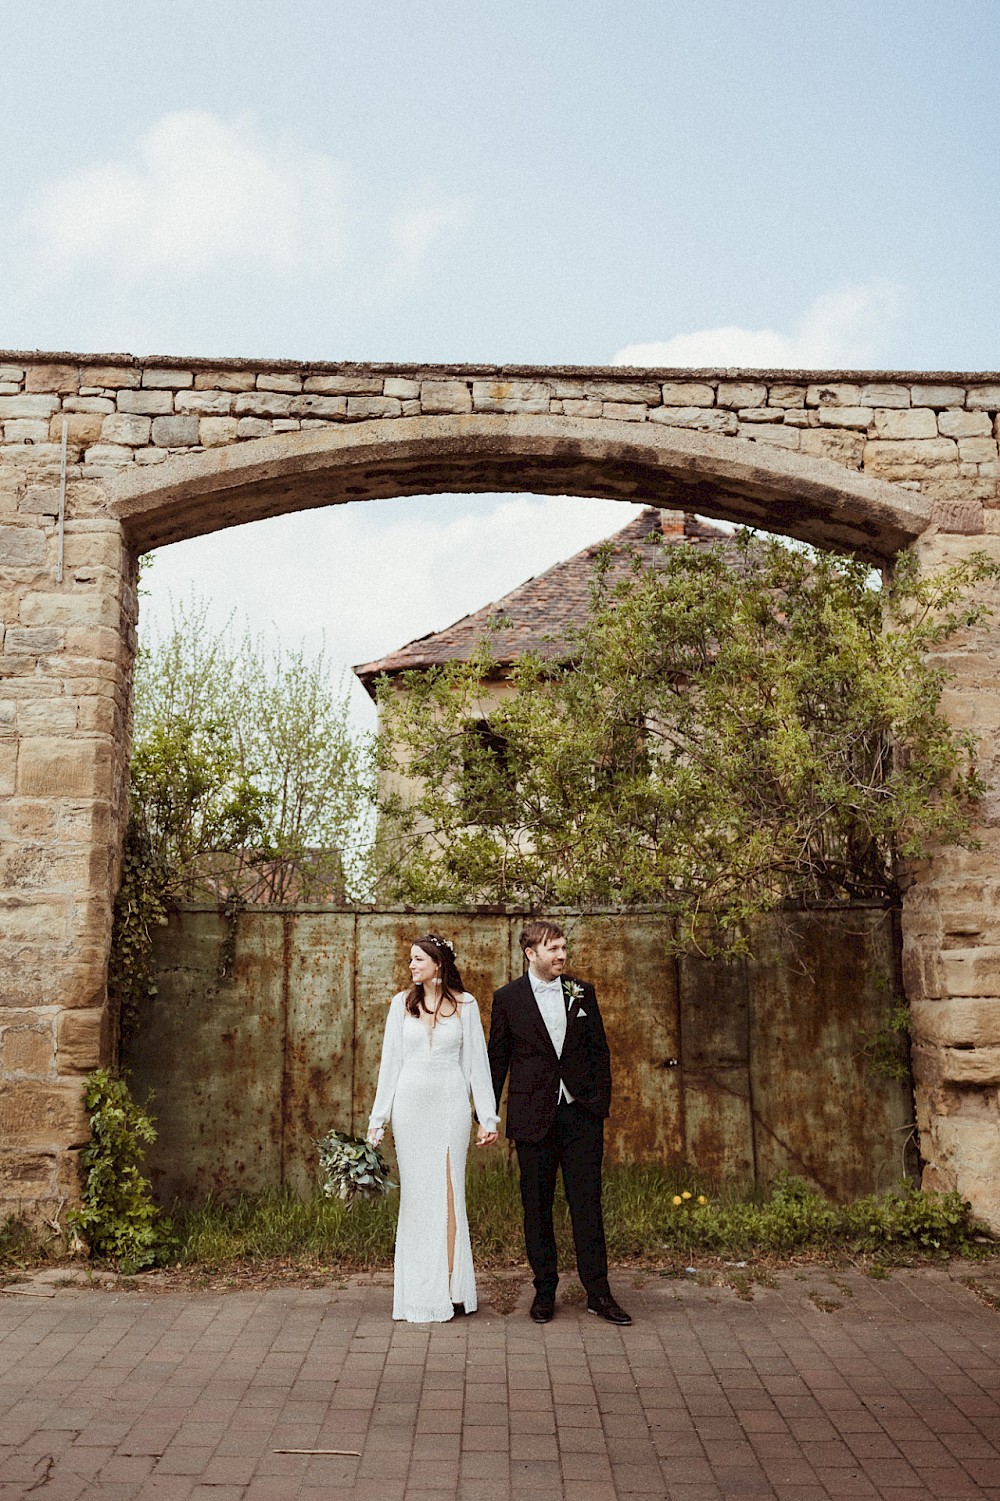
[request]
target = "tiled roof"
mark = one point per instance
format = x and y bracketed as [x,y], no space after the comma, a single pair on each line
[537,615]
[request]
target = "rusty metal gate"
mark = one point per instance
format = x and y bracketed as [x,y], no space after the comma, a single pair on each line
[737,1068]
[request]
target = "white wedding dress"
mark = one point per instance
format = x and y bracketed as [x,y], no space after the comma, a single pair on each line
[424,1081]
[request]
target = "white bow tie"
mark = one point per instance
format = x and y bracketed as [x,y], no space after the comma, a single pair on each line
[549,986]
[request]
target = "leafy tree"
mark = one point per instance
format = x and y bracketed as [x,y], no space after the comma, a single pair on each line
[247,784]
[733,729]
[246,774]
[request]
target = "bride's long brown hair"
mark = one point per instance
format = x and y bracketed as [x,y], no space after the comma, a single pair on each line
[452,986]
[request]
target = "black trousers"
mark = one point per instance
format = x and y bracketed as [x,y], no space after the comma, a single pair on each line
[574,1143]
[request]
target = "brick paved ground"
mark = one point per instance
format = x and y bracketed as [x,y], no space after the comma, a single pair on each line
[894,1393]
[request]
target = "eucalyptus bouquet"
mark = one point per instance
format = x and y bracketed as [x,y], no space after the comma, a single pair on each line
[352,1168]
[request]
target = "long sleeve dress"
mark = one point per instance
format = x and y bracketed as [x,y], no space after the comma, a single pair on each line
[424,1081]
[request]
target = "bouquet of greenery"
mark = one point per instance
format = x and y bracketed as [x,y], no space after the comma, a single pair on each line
[352,1168]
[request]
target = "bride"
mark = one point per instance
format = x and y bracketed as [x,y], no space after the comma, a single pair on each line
[433,1056]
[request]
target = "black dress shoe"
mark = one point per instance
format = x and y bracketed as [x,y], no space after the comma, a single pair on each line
[458,1309]
[543,1308]
[606,1308]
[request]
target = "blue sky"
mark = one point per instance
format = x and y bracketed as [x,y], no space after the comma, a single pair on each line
[554,181]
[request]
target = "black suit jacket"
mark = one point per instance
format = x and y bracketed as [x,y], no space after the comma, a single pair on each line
[521,1046]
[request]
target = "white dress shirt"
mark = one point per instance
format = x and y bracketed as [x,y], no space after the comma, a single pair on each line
[552,1005]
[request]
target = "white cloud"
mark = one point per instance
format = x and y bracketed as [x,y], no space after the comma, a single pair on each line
[200,192]
[843,328]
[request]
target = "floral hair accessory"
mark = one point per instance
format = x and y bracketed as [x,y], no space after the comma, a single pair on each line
[442,943]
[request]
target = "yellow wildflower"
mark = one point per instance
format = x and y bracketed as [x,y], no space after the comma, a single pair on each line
[685,1194]
[677,1198]
[702,1199]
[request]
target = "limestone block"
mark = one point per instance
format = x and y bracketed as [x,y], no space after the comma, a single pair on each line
[910,459]
[970,972]
[21,546]
[253,427]
[28,406]
[343,385]
[81,1040]
[146,456]
[213,432]
[403,390]
[624,411]
[42,1116]
[145,403]
[111,377]
[27,1045]
[49,716]
[63,606]
[410,408]
[96,715]
[937,396]
[90,404]
[205,403]
[582,408]
[26,430]
[687,393]
[167,380]
[797,416]
[740,394]
[833,395]
[175,432]
[286,424]
[964,1148]
[761,414]
[82,429]
[510,396]
[964,1022]
[283,381]
[362,408]
[980,399]
[917,422]
[51,767]
[26,1177]
[33,640]
[225,380]
[977,450]
[60,378]
[884,394]
[843,446]
[785,395]
[646,393]
[40,500]
[125,428]
[11,374]
[445,396]
[696,417]
[262,404]
[311,405]
[9,387]
[965,424]
[771,432]
[963,516]
[859,417]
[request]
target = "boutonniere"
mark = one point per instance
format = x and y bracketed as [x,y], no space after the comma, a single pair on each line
[574,990]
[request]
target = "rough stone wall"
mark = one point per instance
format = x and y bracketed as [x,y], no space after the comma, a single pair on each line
[66,652]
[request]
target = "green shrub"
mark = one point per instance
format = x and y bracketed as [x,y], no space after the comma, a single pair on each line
[117,1217]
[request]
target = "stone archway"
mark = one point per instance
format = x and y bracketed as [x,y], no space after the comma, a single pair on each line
[160,451]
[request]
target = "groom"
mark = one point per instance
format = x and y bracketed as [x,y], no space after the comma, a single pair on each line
[546,1031]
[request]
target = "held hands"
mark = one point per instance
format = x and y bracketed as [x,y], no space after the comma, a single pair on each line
[375,1135]
[485,1138]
